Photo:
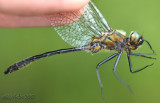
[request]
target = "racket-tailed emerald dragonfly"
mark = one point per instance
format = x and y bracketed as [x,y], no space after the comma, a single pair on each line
[92,33]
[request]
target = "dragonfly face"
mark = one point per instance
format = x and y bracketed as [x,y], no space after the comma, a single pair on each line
[135,40]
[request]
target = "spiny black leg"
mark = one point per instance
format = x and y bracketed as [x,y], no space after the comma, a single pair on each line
[146,53]
[149,45]
[130,65]
[115,65]
[98,65]
[139,54]
[114,69]
[123,82]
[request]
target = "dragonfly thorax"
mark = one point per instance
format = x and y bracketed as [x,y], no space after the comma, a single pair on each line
[113,40]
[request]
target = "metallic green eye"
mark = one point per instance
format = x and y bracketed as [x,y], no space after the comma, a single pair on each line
[134,38]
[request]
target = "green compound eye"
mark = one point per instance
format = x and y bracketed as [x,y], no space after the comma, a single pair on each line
[134,38]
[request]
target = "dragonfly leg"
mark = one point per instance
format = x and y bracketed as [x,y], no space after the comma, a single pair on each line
[130,65]
[114,69]
[145,53]
[97,70]
[149,45]
[142,55]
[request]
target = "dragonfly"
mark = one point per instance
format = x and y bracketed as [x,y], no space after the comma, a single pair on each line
[91,32]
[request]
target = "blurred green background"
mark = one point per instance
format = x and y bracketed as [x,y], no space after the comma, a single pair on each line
[71,78]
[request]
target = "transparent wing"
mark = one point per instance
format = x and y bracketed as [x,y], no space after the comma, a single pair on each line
[79,33]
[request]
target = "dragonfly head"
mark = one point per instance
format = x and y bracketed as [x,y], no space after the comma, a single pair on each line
[135,40]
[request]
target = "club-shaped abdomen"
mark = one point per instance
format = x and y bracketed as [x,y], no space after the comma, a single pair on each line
[18,65]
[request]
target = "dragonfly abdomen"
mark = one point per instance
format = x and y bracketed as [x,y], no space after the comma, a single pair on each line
[29,60]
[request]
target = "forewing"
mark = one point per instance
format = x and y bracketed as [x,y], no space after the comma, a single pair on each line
[82,27]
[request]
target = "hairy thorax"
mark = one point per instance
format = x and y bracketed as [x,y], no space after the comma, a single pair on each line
[113,40]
